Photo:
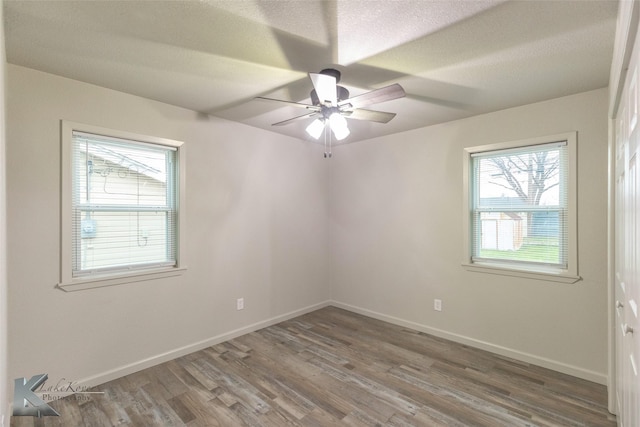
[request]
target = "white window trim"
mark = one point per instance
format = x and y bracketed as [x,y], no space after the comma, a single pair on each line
[570,275]
[68,283]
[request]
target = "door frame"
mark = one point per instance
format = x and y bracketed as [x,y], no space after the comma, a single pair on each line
[626,30]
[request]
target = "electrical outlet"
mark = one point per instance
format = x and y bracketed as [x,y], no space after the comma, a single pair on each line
[240,304]
[437,305]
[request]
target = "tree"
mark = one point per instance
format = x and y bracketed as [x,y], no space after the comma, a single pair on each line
[529,175]
[541,169]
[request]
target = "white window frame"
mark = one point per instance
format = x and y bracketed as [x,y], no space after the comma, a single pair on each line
[70,283]
[568,275]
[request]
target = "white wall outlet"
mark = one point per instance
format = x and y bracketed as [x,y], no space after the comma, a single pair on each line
[437,305]
[240,304]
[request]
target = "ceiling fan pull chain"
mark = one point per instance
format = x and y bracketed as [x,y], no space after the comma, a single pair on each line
[325,142]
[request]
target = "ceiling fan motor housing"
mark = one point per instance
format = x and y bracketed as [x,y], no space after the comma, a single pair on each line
[342,94]
[332,72]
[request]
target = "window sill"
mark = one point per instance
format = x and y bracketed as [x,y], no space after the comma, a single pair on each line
[80,284]
[560,276]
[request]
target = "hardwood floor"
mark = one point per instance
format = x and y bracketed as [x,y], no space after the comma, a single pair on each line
[333,367]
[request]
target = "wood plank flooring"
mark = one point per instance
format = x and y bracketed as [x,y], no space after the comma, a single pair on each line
[336,368]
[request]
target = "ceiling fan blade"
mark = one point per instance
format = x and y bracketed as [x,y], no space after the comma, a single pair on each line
[369,115]
[294,119]
[289,103]
[325,86]
[375,96]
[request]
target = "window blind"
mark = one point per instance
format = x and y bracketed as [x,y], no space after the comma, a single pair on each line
[124,205]
[519,205]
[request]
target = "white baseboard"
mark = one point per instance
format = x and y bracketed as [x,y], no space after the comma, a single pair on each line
[554,365]
[179,352]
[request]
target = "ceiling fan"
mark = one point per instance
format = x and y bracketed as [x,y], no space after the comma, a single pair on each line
[331,105]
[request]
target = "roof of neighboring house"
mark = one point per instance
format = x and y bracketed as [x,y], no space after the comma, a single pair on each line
[513,216]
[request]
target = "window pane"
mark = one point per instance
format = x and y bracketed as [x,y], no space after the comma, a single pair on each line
[109,173]
[124,207]
[519,179]
[116,239]
[531,237]
[520,205]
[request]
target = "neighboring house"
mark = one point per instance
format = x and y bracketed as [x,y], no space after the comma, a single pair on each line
[503,231]
[117,184]
[508,231]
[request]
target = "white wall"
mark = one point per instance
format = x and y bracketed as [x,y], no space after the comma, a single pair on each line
[256,215]
[396,239]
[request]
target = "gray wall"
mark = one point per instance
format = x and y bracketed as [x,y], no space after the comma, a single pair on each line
[396,239]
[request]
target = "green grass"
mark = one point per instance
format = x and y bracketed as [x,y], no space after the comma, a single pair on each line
[531,251]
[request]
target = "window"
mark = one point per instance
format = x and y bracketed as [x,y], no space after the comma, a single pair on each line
[121,207]
[520,208]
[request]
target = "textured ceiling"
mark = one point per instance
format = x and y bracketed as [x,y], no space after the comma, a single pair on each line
[454,59]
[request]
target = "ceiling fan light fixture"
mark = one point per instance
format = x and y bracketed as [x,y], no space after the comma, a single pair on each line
[330,104]
[341,133]
[315,128]
[339,126]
